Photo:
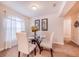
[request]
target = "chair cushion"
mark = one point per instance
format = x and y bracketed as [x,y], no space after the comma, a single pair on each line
[31,48]
[46,44]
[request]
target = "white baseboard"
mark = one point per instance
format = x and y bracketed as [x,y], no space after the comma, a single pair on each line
[75,42]
[59,43]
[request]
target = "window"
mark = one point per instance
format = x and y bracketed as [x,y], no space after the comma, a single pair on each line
[13,25]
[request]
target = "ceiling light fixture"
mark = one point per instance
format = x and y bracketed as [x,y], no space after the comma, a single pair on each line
[34,8]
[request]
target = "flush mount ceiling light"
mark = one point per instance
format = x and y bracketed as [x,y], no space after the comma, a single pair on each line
[34,8]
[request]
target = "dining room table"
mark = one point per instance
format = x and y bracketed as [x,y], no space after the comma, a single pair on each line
[36,40]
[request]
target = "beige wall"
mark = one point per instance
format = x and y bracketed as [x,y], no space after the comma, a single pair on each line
[55,24]
[73,13]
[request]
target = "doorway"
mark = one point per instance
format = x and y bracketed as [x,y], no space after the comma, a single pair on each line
[67,29]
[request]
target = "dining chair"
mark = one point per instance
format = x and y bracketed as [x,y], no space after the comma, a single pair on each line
[23,44]
[47,42]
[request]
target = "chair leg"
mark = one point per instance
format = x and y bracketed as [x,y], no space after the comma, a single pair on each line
[19,54]
[35,51]
[40,51]
[28,55]
[51,52]
[41,48]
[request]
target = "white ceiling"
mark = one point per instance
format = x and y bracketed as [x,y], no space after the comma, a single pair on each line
[44,7]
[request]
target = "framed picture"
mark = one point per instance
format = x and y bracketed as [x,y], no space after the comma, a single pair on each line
[45,24]
[37,24]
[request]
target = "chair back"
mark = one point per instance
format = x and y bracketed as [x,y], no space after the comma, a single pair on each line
[46,34]
[22,42]
[51,38]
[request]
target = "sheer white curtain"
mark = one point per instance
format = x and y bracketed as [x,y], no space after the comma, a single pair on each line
[12,25]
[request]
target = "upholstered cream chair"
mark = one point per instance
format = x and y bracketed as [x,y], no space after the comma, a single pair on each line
[23,44]
[47,42]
